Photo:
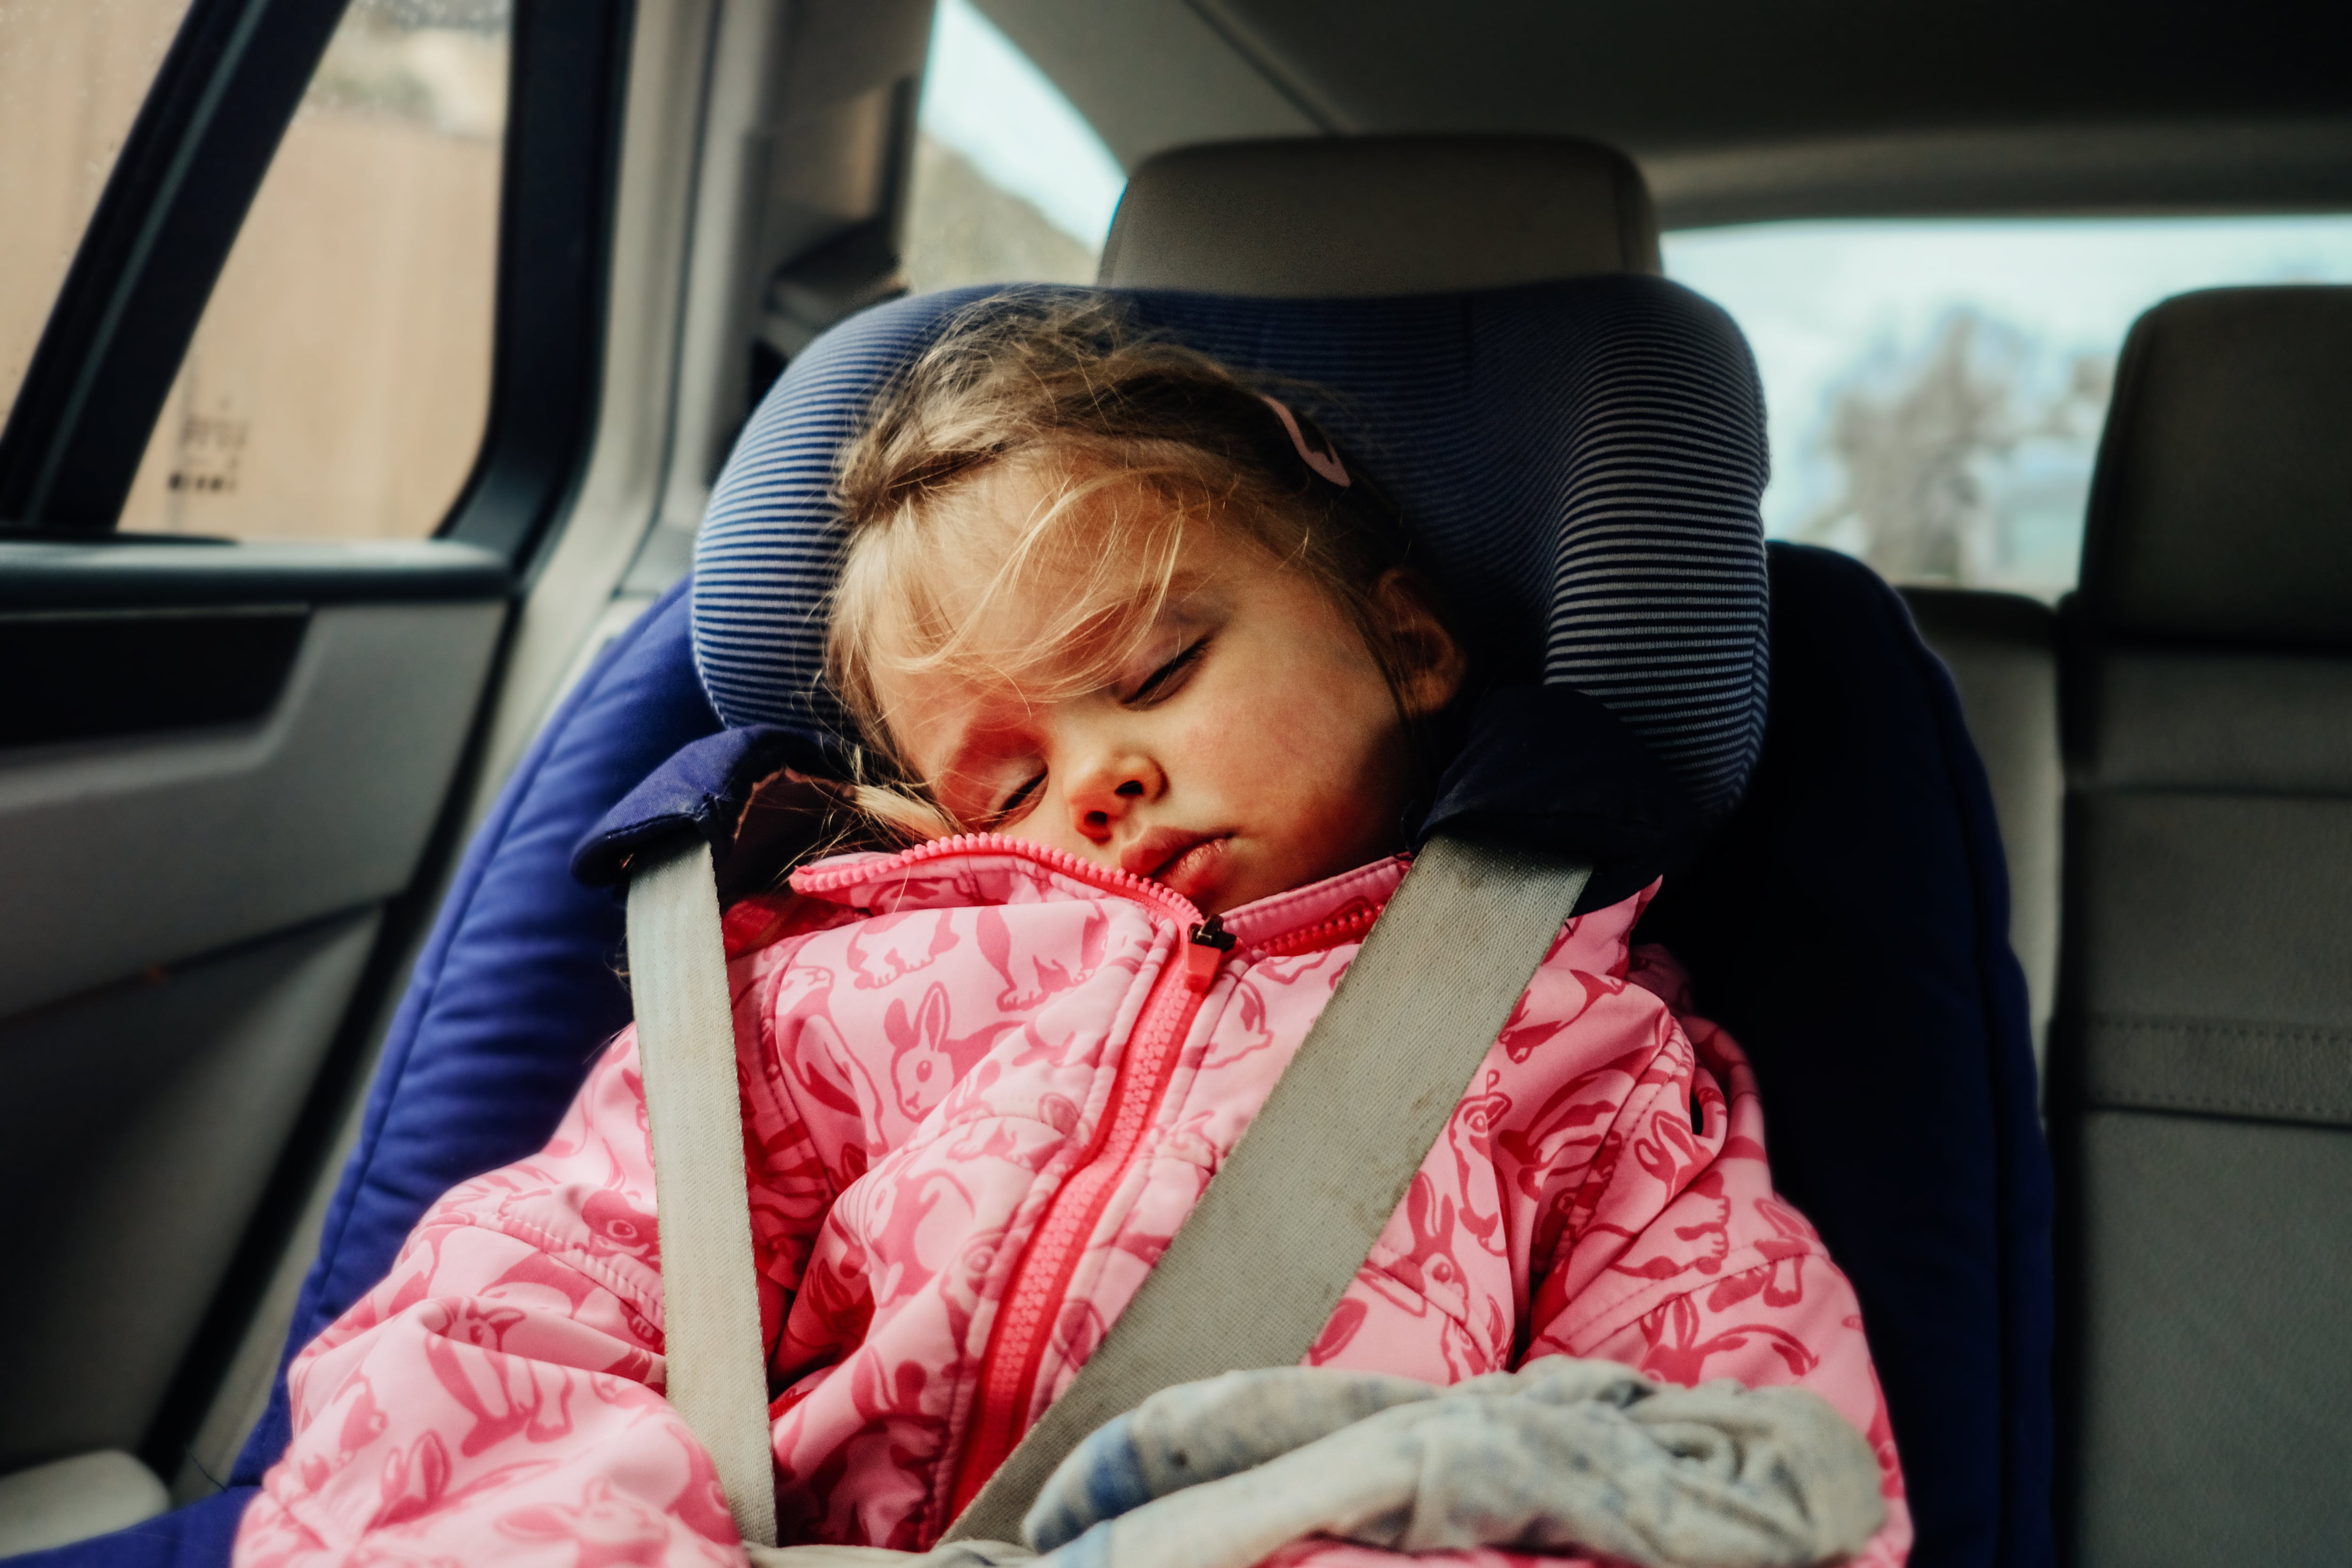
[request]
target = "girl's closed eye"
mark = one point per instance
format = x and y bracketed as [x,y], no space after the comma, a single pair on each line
[1020,800]
[1167,679]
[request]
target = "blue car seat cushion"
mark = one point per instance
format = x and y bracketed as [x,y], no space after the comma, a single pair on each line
[1547,767]
[1850,925]
[1581,461]
[516,990]
[706,788]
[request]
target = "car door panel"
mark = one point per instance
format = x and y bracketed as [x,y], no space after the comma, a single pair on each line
[147,1116]
[147,849]
[192,905]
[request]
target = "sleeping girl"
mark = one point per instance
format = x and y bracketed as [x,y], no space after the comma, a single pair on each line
[1152,699]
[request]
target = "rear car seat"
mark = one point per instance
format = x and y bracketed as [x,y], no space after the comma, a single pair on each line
[2202,1058]
[2002,651]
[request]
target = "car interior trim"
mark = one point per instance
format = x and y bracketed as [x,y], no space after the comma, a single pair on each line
[111,575]
[567,84]
[137,673]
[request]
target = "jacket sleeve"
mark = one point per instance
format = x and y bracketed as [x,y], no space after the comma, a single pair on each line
[496,1399]
[1724,1279]
[1681,1261]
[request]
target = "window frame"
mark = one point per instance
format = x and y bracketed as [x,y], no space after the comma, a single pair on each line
[197,154]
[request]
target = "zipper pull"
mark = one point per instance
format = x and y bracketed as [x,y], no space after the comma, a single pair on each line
[1207,948]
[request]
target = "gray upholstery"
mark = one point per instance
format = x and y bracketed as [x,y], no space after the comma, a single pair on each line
[2223,504]
[2002,651]
[1385,214]
[149,1116]
[2214,1397]
[342,782]
[2204,1047]
[72,1500]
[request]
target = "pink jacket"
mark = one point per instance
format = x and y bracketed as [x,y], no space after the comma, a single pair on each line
[983,1084]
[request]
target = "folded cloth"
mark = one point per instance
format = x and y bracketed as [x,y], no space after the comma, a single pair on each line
[1561,1456]
[951,1555]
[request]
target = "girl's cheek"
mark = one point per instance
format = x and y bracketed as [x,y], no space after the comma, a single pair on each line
[1205,735]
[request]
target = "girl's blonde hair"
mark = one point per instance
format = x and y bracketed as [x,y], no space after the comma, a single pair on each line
[1134,443]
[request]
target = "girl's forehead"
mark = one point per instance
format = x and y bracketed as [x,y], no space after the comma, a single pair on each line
[1034,567]
[1026,583]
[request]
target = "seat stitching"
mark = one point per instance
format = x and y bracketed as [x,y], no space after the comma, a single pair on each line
[2323,1034]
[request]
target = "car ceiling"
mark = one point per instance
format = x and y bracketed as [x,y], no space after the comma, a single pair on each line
[1739,111]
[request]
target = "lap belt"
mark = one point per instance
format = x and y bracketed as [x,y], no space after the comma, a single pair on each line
[1254,1272]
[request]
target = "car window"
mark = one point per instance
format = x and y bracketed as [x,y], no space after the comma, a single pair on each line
[72,74]
[1936,388]
[1010,181]
[338,385]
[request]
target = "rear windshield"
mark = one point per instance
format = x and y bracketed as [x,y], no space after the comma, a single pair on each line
[1936,388]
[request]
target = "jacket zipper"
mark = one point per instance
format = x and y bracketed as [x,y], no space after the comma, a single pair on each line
[1022,1332]
[1033,1299]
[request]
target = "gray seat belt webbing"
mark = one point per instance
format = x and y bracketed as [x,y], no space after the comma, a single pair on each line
[1278,1236]
[1255,1271]
[718,1368]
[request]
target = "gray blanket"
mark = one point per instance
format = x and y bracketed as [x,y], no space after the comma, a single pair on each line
[1564,1455]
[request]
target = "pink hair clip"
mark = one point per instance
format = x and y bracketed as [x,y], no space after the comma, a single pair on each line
[1326,464]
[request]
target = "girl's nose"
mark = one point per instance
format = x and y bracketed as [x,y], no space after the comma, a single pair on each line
[1106,792]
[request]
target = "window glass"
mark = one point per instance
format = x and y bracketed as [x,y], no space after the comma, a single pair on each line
[72,75]
[1936,388]
[339,381]
[1011,183]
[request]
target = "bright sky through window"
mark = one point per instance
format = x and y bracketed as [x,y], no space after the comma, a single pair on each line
[1936,388]
[983,98]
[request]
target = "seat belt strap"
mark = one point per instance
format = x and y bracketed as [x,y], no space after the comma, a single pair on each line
[1255,1271]
[717,1366]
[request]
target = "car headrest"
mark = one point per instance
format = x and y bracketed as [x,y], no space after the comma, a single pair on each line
[2222,505]
[1349,217]
[1579,462]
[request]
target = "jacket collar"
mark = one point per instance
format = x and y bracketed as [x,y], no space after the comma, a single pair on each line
[983,869]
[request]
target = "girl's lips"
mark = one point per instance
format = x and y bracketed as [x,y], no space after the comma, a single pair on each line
[1185,863]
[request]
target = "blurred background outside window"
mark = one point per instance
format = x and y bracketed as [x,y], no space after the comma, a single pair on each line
[339,383]
[72,75]
[1010,181]
[1936,388]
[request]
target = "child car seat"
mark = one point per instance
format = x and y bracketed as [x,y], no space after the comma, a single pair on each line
[1847,917]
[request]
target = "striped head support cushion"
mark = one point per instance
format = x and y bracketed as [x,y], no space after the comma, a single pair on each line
[1580,463]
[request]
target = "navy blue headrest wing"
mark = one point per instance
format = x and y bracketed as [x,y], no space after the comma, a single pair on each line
[1580,464]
